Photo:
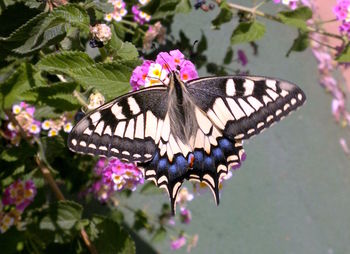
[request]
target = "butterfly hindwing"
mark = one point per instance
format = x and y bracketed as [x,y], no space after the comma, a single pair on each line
[242,106]
[124,128]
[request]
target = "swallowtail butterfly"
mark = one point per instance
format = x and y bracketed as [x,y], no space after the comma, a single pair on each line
[187,130]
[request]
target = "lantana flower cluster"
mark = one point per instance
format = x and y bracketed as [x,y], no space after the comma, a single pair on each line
[342,13]
[16,197]
[140,16]
[119,11]
[54,126]
[156,72]
[24,114]
[154,32]
[115,176]
[293,4]
[101,32]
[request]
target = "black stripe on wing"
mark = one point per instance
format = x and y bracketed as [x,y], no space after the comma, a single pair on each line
[242,106]
[124,128]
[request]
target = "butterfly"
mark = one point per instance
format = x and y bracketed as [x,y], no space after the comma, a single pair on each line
[186,130]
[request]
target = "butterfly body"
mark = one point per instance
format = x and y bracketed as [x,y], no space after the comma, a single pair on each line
[192,130]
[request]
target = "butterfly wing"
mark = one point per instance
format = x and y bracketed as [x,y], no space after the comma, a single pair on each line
[242,106]
[231,109]
[124,128]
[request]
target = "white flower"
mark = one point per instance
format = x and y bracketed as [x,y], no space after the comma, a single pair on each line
[34,129]
[46,125]
[52,133]
[16,109]
[67,127]
[157,75]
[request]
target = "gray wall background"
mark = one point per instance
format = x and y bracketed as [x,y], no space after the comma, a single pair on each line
[292,194]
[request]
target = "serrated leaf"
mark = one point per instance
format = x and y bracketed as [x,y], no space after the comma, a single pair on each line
[344,56]
[61,216]
[14,16]
[61,62]
[300,43]
[53,147]
[127,52]
[247,32]
[160,9]
[109,237]
[46,29]
[58,96]
[12,90]
[111,79]
[225,15]
[297,17]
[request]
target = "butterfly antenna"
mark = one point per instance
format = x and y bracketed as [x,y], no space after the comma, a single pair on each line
[156,79]
[166,64]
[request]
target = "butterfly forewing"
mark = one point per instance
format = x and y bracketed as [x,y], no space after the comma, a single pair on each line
[124,128]
[242,106]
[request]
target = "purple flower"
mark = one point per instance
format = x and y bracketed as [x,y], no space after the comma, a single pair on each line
[341,10]
[293,4]
[115,176]
[185,215]
[140,16]
[20,194]
[151,73]
[242,57]
[138,77]
[178,243]
[188,71]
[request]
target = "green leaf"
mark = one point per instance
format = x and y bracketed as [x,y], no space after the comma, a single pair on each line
[109,237]
[14,16]
[228,56]
[61,216]
[12,90]
[119,49]
[111,79]
[159,235]
[247,32]
[160,9]
[184,6]
[224,16]
[297,17]
[46,29]
[65,61]
[202,44]
[141,221]
[58,96]
[344,56]
[300,43]
[150,189]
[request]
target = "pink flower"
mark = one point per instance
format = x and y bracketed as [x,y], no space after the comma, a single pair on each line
[185,215]
[140,16]
[242,57]
[20,194]
[178,243]
[115,176]
[151,73]
[293,4]
[138,77]
[156,31]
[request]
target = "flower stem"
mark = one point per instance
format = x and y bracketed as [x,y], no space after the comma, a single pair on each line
[256,12]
